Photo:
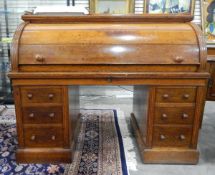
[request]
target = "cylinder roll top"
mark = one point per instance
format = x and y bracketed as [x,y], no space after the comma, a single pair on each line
[103,43]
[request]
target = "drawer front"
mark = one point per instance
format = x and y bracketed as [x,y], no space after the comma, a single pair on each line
[41,95]
[42,115]
[171,136]
[172,115]
[177,95]
[43,137]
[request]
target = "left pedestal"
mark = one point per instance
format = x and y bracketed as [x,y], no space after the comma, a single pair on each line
[45,126]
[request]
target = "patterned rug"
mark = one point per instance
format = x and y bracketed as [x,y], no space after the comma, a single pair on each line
[99,148]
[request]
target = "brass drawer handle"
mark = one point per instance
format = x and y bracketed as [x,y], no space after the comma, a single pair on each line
[31,115]
[182,137]
[39,58]
[51,96]
[51,115]
[185,116]
[30,96]
[162,137]
[164,116]
[186,96]
[178,59]
[53,137]
[166,96]
[33,137]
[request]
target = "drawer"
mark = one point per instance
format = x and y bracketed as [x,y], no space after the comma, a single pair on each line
[42,115]
[172,115]
[41,95]
[177,95]
[172,136]
[43,137]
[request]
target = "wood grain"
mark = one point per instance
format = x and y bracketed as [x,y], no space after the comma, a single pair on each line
[109,54]
[173,115]
[105,34]
[171,136]
[163,56]
[41,95]
[175,94]
[44,136]
[42,114]
[109,18]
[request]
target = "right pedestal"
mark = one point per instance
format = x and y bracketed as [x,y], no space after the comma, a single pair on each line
[166,123]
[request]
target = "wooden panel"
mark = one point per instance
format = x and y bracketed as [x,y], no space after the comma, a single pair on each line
[19,118]
[74,110]
[108,68]
[172,136]
[108,81]
[41,95]
[140,109]
[174,115]
[108,54]
[108,34]
[44,155]
[43,136]
[211,85]
[171,156]
[42,115]
[104,18]
[183,95]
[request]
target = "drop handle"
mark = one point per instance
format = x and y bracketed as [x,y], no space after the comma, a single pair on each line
[51,96]
[166,96]
[33,137]
[51,115]
[39,58]
[182,137]
[30,96]
[162,137]
[185,116]
[178,59]
[53,137]
[31,115]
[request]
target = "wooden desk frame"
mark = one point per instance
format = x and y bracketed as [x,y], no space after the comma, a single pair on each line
[156,86]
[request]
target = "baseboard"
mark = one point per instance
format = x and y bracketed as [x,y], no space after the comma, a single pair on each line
[44,155]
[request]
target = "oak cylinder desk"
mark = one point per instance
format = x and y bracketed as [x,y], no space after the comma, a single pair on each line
[163,57]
